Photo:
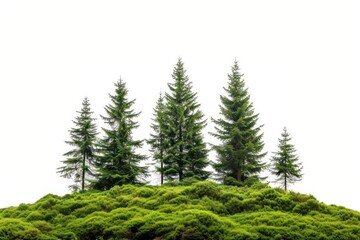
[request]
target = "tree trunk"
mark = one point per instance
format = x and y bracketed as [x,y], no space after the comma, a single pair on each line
[238,175]
[83,174]
[161,167]
[181,156]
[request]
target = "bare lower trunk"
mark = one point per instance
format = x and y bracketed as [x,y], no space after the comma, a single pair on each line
[83,174]
[238,175]
[181,156]
[162,170]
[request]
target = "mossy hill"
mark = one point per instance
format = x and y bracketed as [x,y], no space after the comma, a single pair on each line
[203,210]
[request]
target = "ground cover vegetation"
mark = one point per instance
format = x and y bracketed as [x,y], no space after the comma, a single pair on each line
[186,210]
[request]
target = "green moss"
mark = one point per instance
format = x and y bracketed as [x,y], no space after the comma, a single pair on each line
[195,210]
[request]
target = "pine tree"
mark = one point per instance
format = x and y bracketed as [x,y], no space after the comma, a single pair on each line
[285,162]
[157,139]
[186,153]
[80,161]
[118,162]
[240,151]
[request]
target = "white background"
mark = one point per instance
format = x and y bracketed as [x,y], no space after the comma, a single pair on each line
[300,60]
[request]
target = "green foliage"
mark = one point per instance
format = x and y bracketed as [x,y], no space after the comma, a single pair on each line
[118,162]
[240,150]
[202,189]
[185,153]
[285,163]
[90,228]
[80,160]
[17,229]
[158,140]
[203,210]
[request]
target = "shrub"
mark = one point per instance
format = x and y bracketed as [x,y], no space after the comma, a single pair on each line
[170,194]
[234,206]
[23,207]
[180,200]
[189,181]
[69,206]
[202,189]
[64,234]
[284,203]
[226,196]
[34,215]
[214,206]
[43,226]
[17,229]
[230,181]
[90,228]
[47,203]
[144,192]
[86,210]
[198,224]
[305,207]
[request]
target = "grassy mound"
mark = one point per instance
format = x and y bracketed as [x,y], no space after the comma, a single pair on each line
[203,210]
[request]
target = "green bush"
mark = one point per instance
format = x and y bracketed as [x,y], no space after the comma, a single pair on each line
[47,203]
[182,199]
[63,234]
[23,207]
[234,205]
[144,192]
[197,224]
[34,215]
[69,206]
[308,206]
[86,210]
[202,189]
[17,229]
[43,226]
[90,228]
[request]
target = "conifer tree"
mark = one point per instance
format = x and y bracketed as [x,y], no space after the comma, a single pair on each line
[285,162]
[80,160]
[157,139]
[239,153]
[118,162]
[186,153]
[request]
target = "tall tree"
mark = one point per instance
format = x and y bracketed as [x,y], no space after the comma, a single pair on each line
[285,162]
[80,160]
[118,162]
[157,140]
[186,153]
[239,153]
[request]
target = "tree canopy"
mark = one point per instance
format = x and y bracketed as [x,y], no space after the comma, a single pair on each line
[157,140]
[79,164]
[285,162]
[118,163]
[240,150]
[186,153]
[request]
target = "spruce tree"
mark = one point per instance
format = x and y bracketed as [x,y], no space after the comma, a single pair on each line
[239,153]
[157,140]
[118,163]
[80,160]
[186,153]
[285,162]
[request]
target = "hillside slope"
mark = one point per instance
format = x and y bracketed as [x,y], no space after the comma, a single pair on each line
[203,210]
